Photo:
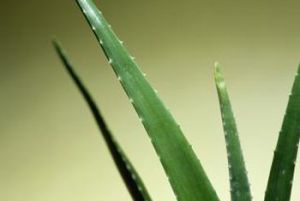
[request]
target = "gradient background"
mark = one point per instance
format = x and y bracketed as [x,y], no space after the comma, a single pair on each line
[50,148]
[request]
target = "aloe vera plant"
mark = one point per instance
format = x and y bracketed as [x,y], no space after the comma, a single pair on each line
[185,172]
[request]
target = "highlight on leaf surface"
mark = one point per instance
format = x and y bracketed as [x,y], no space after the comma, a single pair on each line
[239,184]
[185,173]
[281,176]
[129,175]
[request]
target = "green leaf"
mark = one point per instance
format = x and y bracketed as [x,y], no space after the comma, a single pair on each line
[180,163]
[130,176]
[283,165]
[240,189]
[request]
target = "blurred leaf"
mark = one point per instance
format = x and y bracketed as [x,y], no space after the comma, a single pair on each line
[130,176]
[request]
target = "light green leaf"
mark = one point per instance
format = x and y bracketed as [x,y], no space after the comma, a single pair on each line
[180,163]
[240,189]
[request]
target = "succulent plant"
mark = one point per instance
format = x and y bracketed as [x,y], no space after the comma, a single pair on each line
[185,172]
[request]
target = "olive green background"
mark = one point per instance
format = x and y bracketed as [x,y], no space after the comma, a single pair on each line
[50,148]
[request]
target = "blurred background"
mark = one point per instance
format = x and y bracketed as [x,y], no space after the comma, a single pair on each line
[50,148]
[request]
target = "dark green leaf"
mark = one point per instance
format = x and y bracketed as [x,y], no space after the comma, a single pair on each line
[283,165]
[131,178]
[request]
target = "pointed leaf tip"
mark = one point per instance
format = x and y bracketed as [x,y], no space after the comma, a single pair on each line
[217,69]
[58,48]
[217,65]
[219,78]
[55,43]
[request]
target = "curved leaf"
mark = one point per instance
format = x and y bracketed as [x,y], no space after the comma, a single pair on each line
[130,176]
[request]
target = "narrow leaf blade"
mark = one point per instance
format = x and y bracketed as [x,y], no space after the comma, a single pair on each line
[180,163]
[239,184]
[282,170]
[129,175]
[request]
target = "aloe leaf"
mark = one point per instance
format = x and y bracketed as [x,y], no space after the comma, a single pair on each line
[130,176]
[240,189]
[282,170]
[185,173]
